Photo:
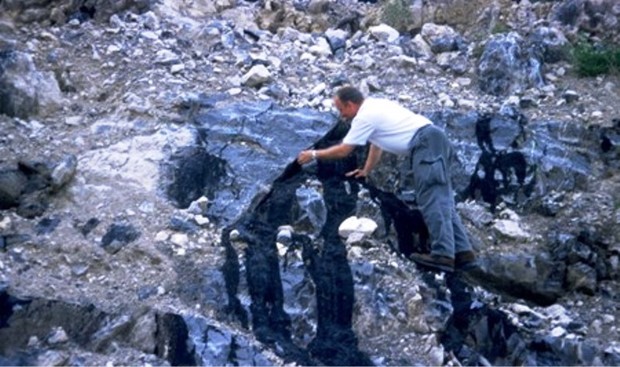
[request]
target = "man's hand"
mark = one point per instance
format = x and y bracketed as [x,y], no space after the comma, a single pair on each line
[358,173]
[305,157]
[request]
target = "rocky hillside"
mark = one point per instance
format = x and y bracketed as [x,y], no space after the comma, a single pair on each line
[146,188]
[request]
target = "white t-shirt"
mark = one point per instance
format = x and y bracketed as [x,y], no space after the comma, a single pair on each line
[385,124]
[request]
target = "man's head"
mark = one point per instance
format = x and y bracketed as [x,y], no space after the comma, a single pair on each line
[348,100]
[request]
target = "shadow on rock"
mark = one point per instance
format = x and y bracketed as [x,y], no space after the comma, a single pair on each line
[335,342]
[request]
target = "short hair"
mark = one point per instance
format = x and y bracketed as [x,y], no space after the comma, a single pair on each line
[350,94]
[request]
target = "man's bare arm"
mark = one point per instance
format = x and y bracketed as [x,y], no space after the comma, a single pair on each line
[333,152]
[374,155]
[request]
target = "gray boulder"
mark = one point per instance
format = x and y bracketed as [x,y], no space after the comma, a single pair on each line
[24,90]
[12,183]
[508,66]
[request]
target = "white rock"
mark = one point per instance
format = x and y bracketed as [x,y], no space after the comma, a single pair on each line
[523,309]
[177,68]
[150,35]
[404,60]
[549,89]
[257,75]
[5,223]
[59,335]
[147,207]
[318,89]
[112,49]
[367,62]
[33,341]
[355,238]
[321,48]
[354,224]
[201,220]
[550,77]
[327,104]
[610,87]
[445,100]
[511,101]
[558,314]
[463,81]
[179,239]
[73,120]
[436,356]
[51,358]
[285,235]
[355,253]
[558,331]
[115,21]
[432,32]
[166,57]
[510,229]
[613,349]
[509,214]
[384,32]
[467,103]
[374,83]
[257,58]
[282,249]
[134,162]
[608,319]
[276,62]
[570,96]
[150,20]
[234,235]
[446,59]
[162,236]
[337,33]
[422,47]
[307,57]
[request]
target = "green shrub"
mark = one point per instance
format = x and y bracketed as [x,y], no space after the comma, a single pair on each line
[592,60]
[500,27]
[396,14]
[478,50]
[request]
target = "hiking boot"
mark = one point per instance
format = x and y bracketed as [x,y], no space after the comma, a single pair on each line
[436,262]
[464,260]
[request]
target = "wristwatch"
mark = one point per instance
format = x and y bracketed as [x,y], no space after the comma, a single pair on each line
[314,154]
